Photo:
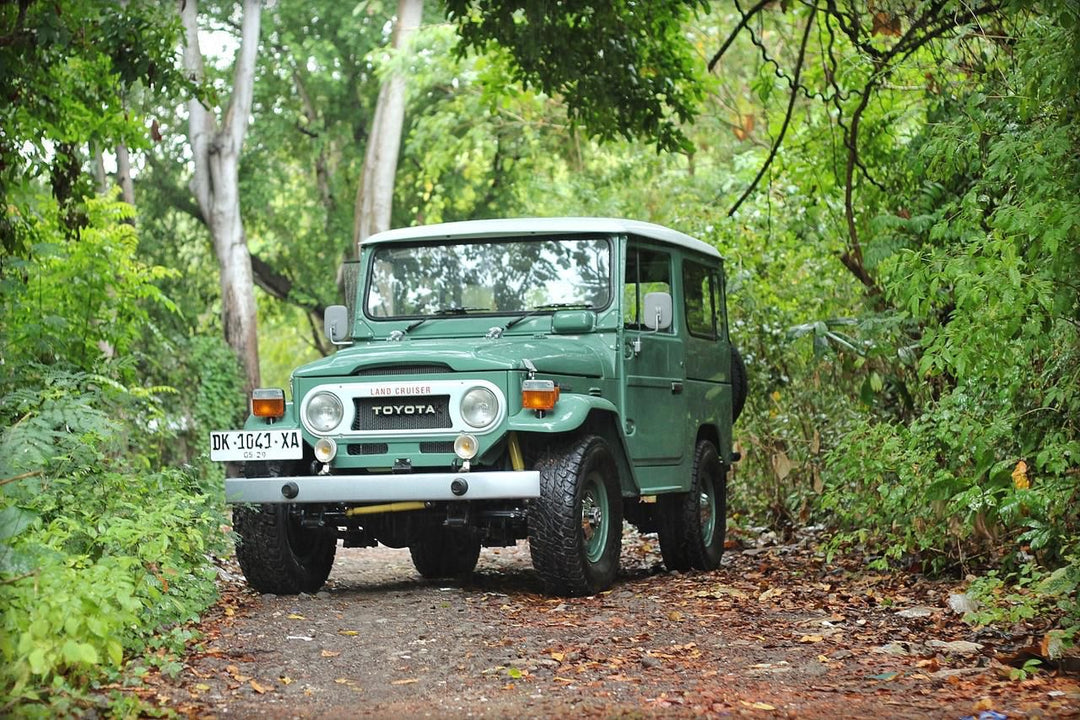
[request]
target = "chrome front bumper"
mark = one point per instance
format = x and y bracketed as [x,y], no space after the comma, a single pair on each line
[506,485]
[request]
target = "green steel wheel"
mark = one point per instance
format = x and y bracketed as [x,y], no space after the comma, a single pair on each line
[693,524]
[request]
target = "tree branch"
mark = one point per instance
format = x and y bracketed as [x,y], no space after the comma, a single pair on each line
[315,320]
[738,28]
[926,28]
[787,117]
[280,286]
[239,111]
[322,170]
[201,125]
[23,476]
[177,198]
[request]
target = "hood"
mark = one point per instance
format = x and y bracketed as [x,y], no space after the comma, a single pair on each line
[568,355]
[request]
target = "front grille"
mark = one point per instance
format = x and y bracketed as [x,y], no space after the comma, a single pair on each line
[368,449]
[422,412]
[442,446]
[404,370]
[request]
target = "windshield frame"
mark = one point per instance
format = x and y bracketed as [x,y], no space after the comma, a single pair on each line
[459,313]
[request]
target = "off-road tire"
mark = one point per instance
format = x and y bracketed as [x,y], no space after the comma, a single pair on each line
[444,553]
[575,526]
[693,524]
[738,383]
[276,554]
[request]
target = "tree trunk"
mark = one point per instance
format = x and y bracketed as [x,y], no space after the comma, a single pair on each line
[97,165]
[216,156]
[375,195]
[123,174]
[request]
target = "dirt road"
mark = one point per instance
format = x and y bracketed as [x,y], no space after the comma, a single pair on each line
[773,633]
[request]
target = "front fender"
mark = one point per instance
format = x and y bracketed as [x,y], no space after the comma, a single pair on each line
[568,414]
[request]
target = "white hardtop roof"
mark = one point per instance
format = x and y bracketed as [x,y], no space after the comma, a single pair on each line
[542,226]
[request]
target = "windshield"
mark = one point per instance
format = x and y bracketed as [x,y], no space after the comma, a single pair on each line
[489,276]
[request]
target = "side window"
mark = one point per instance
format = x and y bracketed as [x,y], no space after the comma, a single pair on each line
[646,271]
[700,289]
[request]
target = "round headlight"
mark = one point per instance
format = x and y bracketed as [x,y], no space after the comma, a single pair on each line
[479,407]
[323,412]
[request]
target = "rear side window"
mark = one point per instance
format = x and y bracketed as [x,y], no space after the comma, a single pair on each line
[700,289]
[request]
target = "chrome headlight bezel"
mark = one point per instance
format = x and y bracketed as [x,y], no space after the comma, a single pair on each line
[479,407]
[323,411]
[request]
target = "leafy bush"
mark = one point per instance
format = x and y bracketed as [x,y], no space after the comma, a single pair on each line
[983,277]
[98,550]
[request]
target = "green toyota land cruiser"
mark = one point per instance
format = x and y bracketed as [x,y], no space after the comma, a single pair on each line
[500,380]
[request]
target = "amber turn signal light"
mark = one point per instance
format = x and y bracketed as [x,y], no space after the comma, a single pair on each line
[268,402]
[539,394]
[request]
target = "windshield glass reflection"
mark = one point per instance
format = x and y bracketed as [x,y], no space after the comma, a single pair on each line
[489,277]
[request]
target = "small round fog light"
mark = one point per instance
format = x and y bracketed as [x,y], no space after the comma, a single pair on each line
[466,446]
[325,450]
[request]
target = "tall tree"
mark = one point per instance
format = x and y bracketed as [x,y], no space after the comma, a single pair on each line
[215,148]
[375,194]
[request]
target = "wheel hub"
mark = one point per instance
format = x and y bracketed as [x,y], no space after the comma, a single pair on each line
[592,516]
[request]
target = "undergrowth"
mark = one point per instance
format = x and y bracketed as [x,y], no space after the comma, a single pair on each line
[108,533]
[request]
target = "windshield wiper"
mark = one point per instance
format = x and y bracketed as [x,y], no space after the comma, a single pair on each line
[546,308]
[460,310]
[444,311]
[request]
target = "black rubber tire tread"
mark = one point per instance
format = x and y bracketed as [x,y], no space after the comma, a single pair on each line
[444,553]
[682,544]
[268,546]
[556,540]
[738,383]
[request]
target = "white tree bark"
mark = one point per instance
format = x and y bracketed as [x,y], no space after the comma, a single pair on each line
[123,174]
[215,151]
[97,165]
[375,195]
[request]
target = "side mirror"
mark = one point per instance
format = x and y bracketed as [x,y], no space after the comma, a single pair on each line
[336,324]
[657,311]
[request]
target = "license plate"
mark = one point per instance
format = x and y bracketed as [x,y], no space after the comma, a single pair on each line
[242,445]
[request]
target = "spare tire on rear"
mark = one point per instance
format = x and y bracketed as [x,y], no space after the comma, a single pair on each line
[738,383]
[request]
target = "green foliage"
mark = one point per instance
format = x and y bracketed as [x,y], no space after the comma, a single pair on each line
[83,300]
[64,72]
[625,69]
[929,415]
[97,550]
[979,266]
[97,562]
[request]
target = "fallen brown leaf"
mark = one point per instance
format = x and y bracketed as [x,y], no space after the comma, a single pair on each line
[758,705]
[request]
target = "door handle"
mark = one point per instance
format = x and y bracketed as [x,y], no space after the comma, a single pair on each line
[676,387]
